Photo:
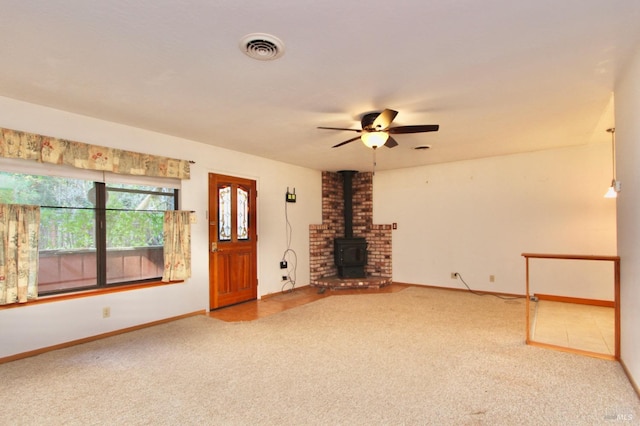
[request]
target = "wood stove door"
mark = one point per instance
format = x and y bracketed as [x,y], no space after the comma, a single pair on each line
[232,240]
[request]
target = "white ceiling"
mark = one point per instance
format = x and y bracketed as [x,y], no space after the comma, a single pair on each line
[498,76]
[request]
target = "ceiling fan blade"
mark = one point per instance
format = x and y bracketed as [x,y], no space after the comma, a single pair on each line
[346,142]
[384,119]
[414,129]
[340,128]
[391,142]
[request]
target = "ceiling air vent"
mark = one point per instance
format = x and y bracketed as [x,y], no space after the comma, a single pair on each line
[263,47]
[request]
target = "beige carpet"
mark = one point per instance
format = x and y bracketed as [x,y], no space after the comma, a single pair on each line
[419,356]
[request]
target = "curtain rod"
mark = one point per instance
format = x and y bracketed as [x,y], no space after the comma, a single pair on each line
[108,210]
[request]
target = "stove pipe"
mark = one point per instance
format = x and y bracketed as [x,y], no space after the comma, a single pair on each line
[347,182]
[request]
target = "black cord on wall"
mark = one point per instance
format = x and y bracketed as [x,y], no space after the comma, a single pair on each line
[289,255]
[458,275]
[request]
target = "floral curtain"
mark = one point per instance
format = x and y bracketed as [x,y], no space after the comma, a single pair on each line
[45,149]
[19,228]
[177,245]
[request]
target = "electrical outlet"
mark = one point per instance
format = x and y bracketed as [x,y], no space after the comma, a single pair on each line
[291,196]
[492,278]
[454,275]
[284,278]
[106,312]
[283,264]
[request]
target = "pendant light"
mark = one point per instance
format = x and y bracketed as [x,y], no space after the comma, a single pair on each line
[615,187]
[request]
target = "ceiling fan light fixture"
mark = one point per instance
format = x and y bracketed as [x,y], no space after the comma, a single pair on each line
[374,139]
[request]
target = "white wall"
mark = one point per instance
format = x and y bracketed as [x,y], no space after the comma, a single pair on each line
[28,328]
[588,279]
[628,171]
[477,217]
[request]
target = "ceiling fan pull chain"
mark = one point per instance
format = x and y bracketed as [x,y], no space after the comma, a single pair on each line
[373,173]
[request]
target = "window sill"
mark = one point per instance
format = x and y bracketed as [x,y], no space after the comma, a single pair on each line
[88,293]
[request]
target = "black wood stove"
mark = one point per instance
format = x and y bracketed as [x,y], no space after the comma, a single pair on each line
[350,253]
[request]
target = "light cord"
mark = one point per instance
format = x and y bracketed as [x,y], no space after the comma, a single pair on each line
[290,283]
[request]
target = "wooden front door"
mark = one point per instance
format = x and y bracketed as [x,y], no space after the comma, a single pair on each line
[233,274]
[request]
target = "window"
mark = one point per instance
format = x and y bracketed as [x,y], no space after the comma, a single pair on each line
[93,234]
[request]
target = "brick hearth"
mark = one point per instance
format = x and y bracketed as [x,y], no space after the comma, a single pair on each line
[323,270]
[368,282]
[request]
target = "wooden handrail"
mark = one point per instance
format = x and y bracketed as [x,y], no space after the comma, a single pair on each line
[570,256]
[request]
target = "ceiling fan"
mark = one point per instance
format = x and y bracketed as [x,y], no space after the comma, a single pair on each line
[376,131]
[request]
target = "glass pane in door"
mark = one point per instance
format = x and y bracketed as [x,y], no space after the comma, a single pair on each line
[243,213]
[224,213]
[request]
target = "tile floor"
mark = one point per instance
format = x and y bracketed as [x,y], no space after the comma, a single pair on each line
[575,326]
